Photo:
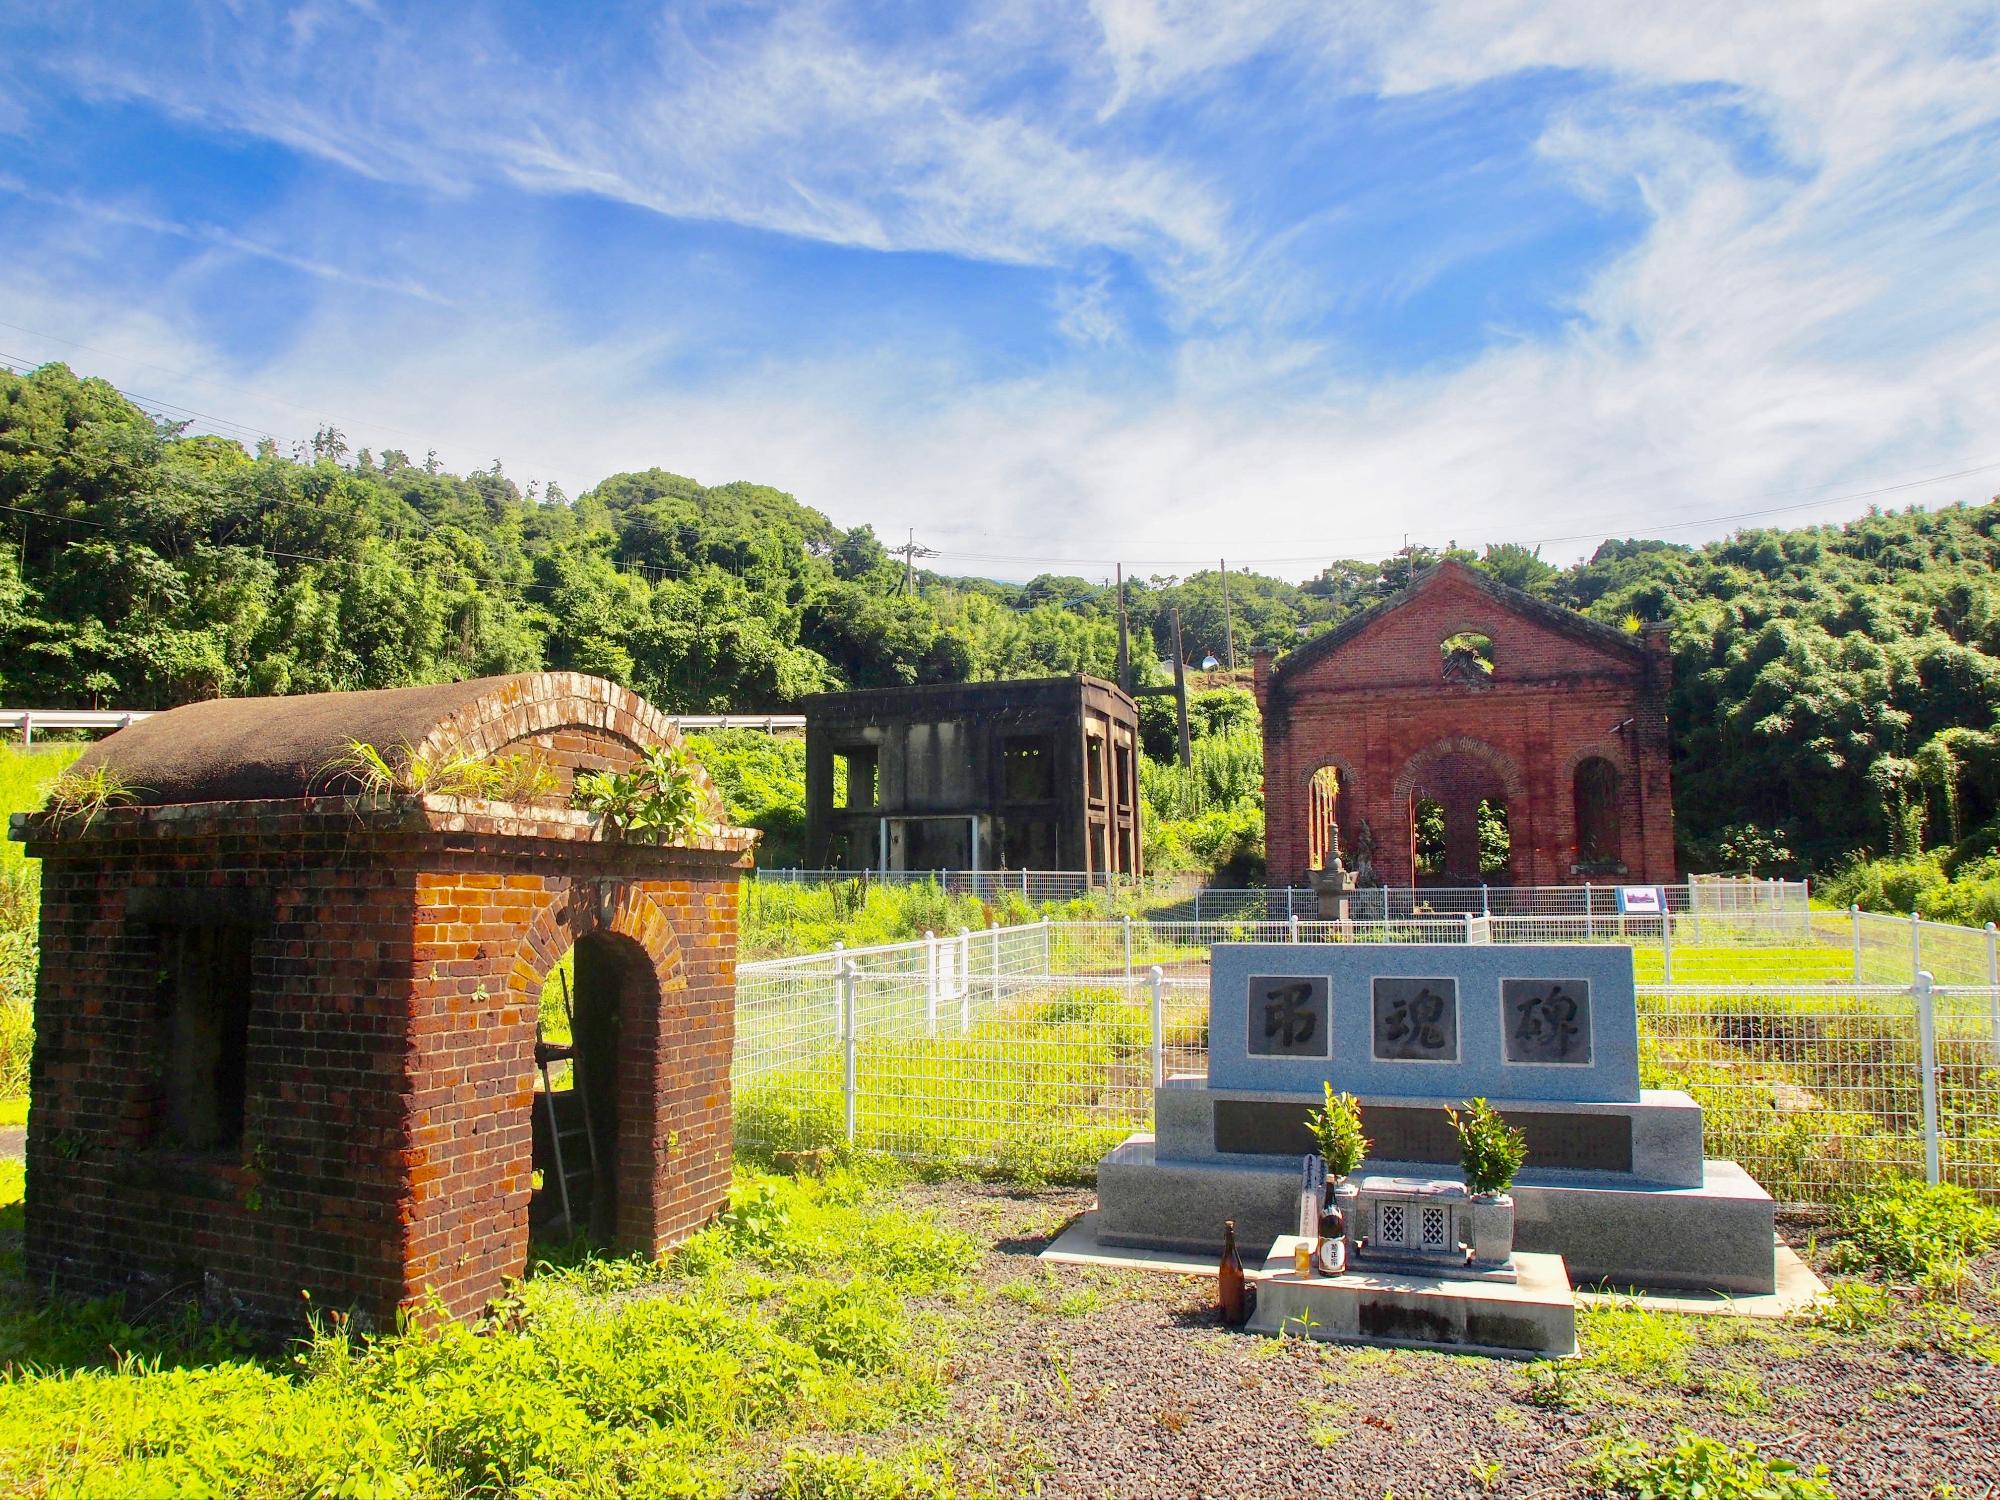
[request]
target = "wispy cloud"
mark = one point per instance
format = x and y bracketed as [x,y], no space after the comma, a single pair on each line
[1800,298]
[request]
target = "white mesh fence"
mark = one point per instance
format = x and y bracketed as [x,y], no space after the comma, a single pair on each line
[1032,1050]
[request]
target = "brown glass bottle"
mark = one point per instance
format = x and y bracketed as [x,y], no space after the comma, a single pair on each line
[1230,1299]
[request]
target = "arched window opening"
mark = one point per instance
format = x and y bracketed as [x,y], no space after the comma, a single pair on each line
[1496,842]
[1427,837]
[1467,658]
[1597,813]
[1326,801]
[575,1166]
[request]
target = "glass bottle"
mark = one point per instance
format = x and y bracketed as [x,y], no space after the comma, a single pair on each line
[1330,1256]
[1230,1299]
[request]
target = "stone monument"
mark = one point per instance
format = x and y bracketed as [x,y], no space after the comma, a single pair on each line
[1615,1182]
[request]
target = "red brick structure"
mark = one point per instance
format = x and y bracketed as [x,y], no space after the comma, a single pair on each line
[1460,690]
[285,1036]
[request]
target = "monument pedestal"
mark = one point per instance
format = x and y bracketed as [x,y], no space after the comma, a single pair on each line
[1532,1317]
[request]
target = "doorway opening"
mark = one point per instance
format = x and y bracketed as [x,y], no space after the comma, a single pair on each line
[576,1101]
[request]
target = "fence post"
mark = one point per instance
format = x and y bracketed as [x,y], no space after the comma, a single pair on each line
[839,964]
[1666,944]
[1854,914]
[1916,945]
[1485,900]
[1128,950]
[1993,985]
[993,930]
[1291,922]
[849,1028]
[1048,953]
[1589,912]
[1158,977]
[930,982]
[1927,1060]
[964,980]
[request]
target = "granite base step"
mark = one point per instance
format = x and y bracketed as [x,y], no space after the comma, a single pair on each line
[1719,1236]
[1532,1318]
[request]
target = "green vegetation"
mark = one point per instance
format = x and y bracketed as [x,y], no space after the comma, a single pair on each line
[526,776]
[1917,1231]
[1034,1095]
[1490,1151]
[1932,884]
[1336,1129]
[657,801]
[1210,815]
[1700,1468]
[1835,688]
[762,781]
[807,1315]
[26,776]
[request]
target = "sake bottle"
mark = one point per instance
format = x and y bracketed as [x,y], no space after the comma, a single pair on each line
[1230,1299]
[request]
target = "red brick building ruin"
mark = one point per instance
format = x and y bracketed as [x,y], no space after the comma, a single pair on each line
[285,1034]
[1464,701]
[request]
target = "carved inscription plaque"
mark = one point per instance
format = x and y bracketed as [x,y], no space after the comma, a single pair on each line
[1416,1020]
[1288,1017]
[1546,1021]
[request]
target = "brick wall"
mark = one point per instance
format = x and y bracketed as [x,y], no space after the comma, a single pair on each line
[397,951]
[1373,703]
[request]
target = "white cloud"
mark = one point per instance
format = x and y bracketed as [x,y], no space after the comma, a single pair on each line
[1790,325]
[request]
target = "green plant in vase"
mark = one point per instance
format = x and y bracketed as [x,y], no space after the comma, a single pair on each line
[1336,1128]
[1490,1151]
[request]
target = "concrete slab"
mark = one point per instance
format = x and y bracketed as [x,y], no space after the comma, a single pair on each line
[1533,1317]
[1798,1288]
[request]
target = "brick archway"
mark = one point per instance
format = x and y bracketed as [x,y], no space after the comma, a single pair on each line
[1460,773]
[1438,751]
[1346,810]
[652,1006]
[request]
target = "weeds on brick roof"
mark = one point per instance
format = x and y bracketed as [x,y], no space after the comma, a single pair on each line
[75,798]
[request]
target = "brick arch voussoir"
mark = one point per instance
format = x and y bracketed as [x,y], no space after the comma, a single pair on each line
[635,915]
[1617,754]
[1500,763]
[553,701]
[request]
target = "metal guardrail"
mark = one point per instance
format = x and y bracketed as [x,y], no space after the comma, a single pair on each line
[28,720]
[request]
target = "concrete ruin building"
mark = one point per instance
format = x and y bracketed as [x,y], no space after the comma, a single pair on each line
[1033,775]
[286,1035]
[1464,733]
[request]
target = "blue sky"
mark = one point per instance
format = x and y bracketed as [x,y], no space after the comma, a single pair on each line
[1052,284]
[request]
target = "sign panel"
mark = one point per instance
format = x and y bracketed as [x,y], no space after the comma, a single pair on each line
[1641,901]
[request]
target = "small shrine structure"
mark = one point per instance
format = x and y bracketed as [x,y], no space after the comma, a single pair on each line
[286,1027]
[1466,708]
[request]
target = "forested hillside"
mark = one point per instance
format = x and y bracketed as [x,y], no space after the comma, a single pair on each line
[1837,687]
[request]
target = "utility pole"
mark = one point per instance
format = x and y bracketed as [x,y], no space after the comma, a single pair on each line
[910,553]
[1178,690]
[1124,636]
[1228,627]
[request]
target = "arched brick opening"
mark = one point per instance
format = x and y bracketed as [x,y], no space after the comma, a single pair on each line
[1332,797]
[625,946]
[1459,774]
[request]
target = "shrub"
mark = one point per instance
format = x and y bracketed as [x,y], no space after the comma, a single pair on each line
[658,801]
[1490,1151]
[1917,1231]
[1700,1468]
[1337,1129]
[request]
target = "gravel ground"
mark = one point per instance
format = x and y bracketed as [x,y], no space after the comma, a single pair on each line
[1083,1382]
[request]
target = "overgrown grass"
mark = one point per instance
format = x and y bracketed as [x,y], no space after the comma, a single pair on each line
[812,1310]
[1034,1094]
[25,778]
